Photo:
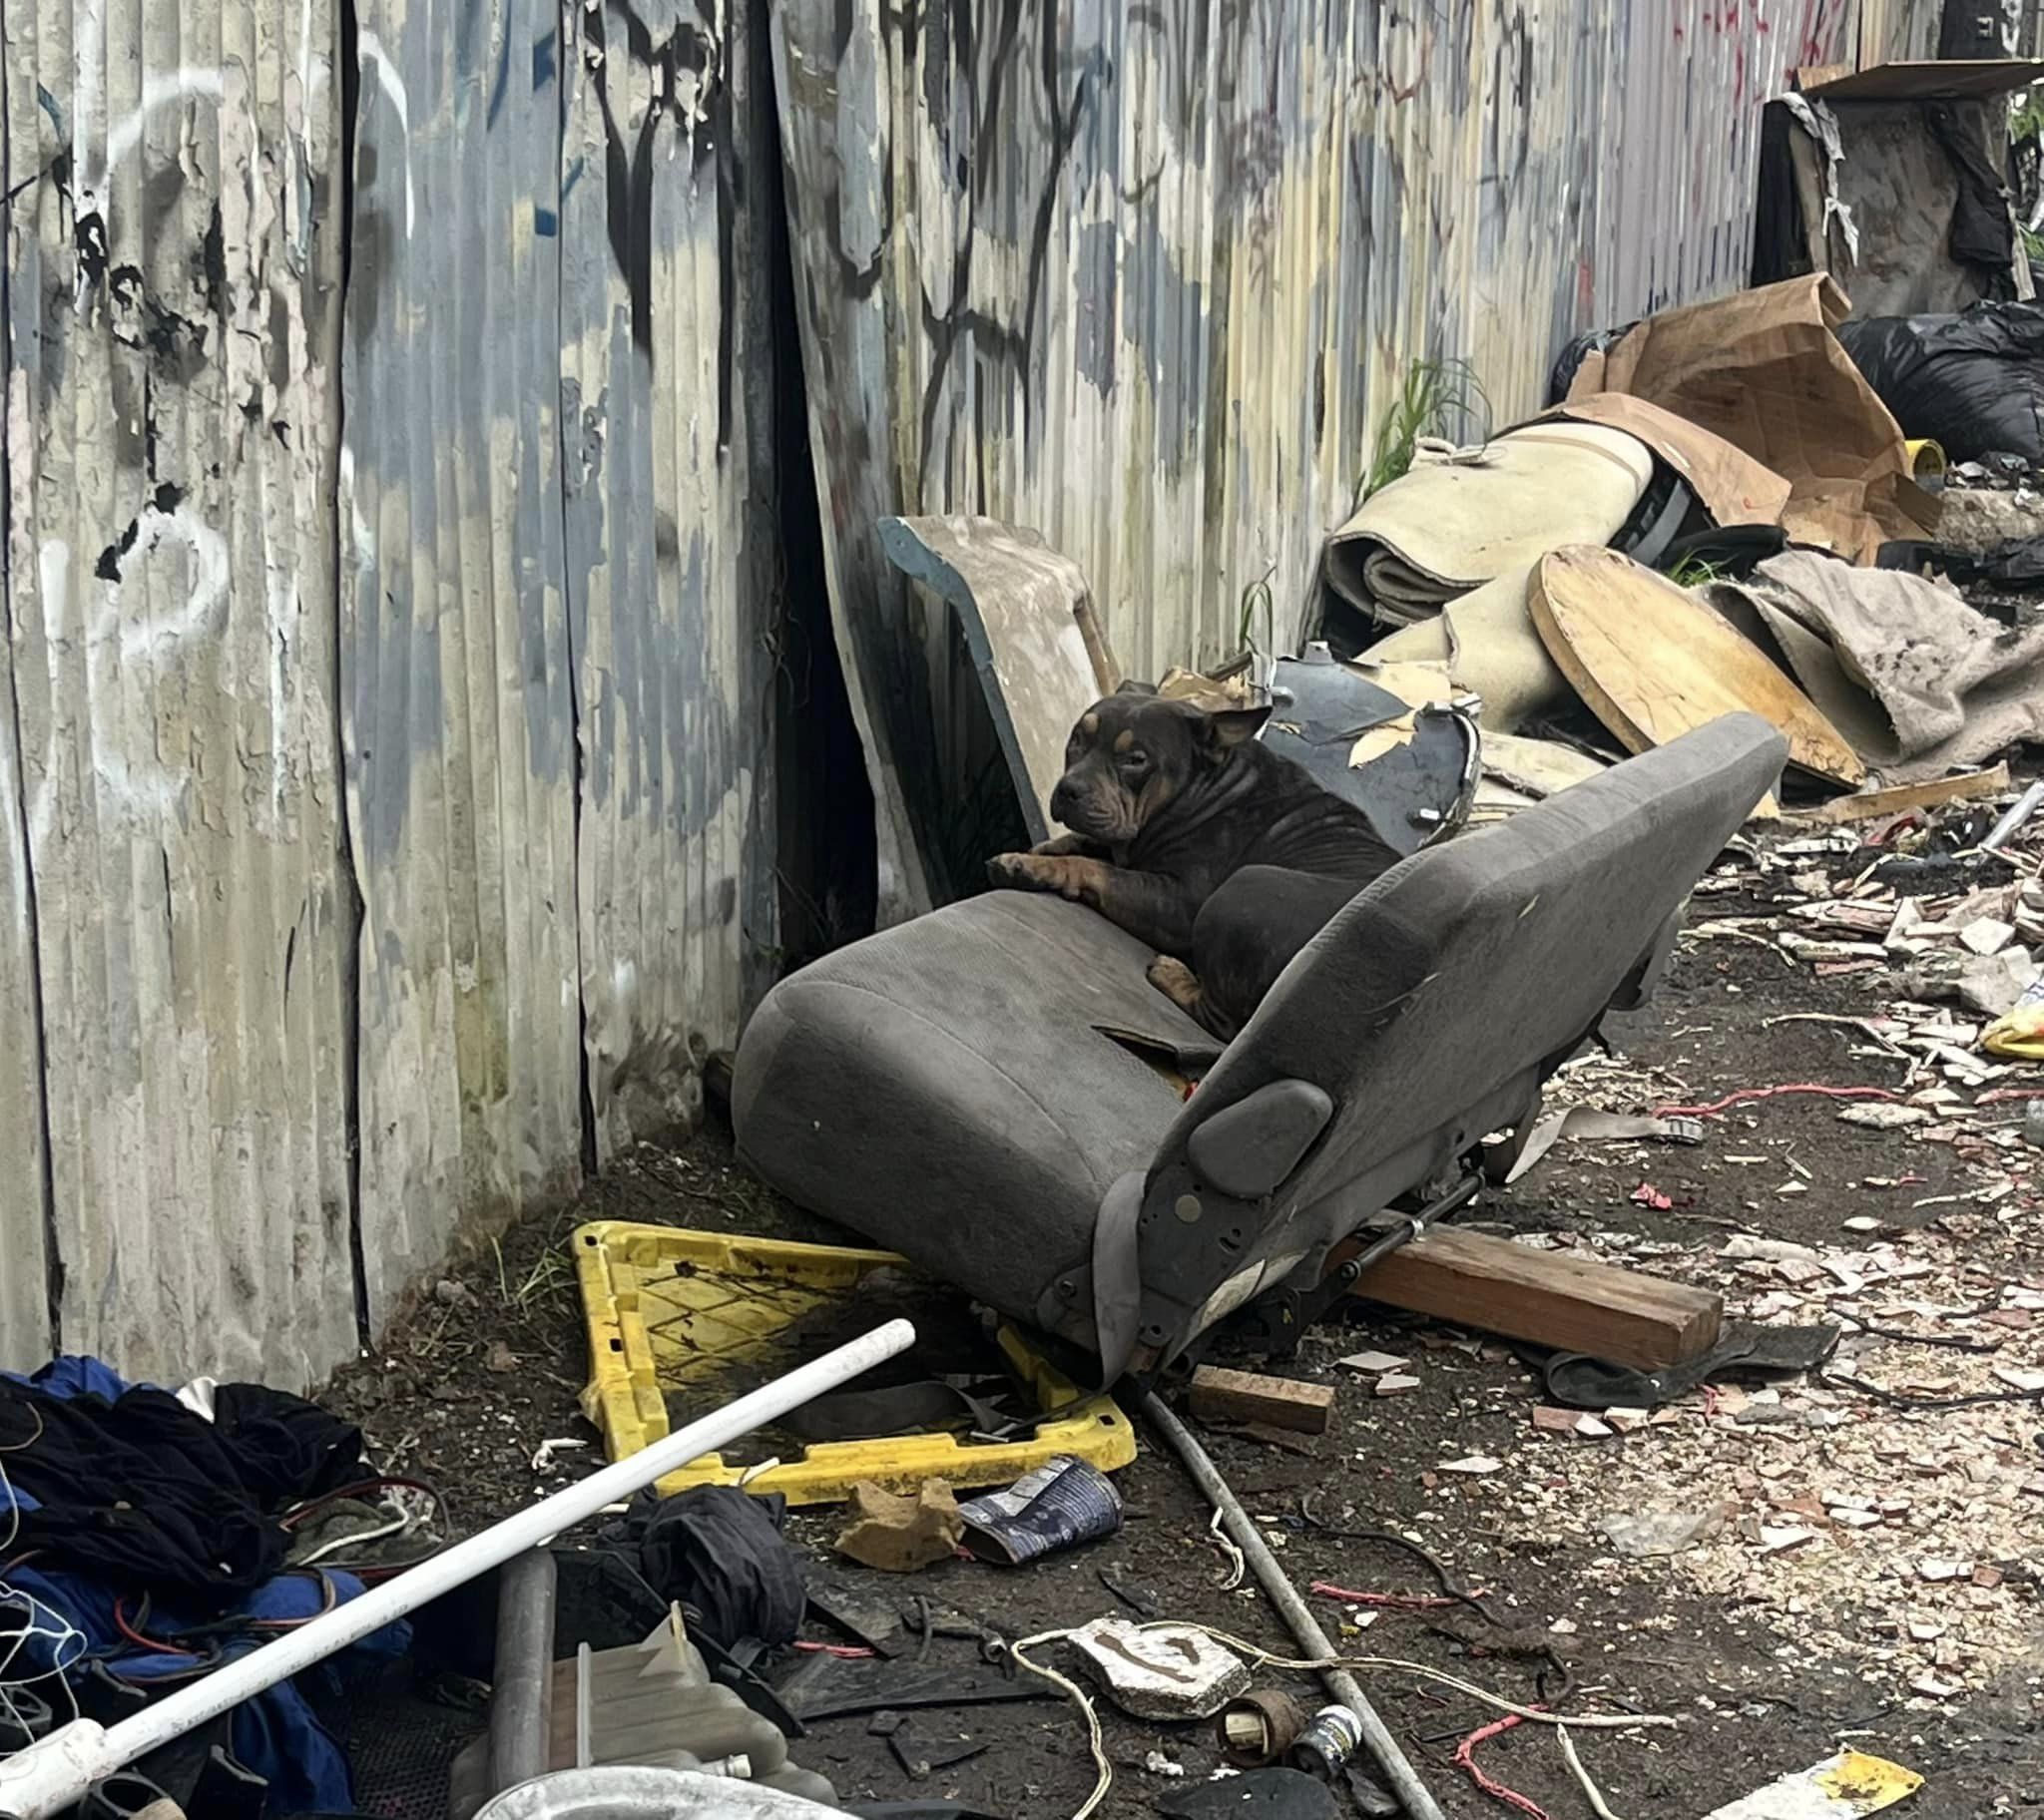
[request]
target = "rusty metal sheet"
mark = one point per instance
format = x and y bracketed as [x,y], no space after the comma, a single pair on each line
[459,716]
[1146,279]
[665,380]
[171,304]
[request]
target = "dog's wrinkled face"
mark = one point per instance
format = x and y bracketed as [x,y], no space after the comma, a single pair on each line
[1133,752]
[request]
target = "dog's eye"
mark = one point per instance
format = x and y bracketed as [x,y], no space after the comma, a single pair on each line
[1135,761]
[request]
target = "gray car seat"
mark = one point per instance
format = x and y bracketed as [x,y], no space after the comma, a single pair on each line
[990,1088]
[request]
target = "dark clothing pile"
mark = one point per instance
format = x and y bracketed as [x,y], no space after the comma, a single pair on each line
[148,1547]
[155,1498]
[718,1552]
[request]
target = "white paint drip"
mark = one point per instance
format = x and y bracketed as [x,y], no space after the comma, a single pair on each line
[370,49]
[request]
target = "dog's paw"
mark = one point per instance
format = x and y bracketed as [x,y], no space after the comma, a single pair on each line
[1178,981]
[1019,872]
[1076,879]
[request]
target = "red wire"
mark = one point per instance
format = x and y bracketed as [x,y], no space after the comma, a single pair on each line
[1403,1601]
[134,1636]
[1497,1792]
[1747,1093]
[850,1652]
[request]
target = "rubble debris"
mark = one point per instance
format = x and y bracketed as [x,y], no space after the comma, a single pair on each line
[1158,1671]
[1644,1533]
[899,1534]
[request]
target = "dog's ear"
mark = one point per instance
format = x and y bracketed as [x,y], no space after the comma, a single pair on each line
[1227,727]
[1130,687]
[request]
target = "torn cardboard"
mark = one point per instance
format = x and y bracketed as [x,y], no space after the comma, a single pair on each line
[1763,370]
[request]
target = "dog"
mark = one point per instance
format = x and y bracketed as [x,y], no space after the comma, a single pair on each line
[1201,843]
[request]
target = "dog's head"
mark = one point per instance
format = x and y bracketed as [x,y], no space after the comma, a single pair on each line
[1134,751]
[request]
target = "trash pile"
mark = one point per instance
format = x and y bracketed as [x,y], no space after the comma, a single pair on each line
[1719,512]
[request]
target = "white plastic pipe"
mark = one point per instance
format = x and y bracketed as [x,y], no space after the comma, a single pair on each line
[54,1772]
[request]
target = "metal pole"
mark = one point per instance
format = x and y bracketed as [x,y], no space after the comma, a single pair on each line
[2025,807]
[1398,1770]
[54,1772]
[522,1683]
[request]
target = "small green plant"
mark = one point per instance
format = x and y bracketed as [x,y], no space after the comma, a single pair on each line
[1435,398]
[1694,572]
[1256,597]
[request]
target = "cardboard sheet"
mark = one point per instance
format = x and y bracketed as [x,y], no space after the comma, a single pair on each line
[1763,370]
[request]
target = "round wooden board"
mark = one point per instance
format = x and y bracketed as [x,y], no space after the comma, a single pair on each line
[1652,663]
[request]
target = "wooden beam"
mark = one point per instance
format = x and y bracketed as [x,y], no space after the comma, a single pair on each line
[1899,800]
[1217,1395]
[1547,1298]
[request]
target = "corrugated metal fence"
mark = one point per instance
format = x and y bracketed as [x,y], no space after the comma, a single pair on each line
[385,721]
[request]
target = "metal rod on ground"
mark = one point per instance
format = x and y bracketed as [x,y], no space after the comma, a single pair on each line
[2025,807]
[1298,1618]
[55,1772]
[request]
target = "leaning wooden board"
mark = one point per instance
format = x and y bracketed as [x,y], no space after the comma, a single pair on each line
[1547,1298]
[1652,663]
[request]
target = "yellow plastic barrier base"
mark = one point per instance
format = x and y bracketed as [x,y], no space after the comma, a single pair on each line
[671,1308]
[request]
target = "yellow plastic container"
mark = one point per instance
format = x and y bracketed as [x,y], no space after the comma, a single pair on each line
[669,1309]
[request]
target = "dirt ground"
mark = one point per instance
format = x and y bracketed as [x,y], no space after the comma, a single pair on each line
[1871,1576]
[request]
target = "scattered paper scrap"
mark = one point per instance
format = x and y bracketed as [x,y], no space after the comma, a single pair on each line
[1843,1787]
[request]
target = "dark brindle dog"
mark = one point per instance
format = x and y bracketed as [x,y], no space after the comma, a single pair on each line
[1203,843]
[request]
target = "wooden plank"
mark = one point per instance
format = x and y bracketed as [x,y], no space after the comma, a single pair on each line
[1899,800]
[1219,1395]
[1547,1298]
[1942,78]
[1652,663]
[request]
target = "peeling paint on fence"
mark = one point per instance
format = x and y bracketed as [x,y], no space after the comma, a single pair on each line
[385,721]
[1143,277]
[171,861]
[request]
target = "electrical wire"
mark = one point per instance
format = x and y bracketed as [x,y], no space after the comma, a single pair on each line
[1385,1664]
[40,1621]
[1598,1805]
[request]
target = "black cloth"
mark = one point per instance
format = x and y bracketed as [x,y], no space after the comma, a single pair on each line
[1983,230]
[719,1553]
[151,1497]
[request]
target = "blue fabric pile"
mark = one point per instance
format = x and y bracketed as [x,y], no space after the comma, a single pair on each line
[99,1598]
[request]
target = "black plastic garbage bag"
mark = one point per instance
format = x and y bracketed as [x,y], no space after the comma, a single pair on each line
[1974,381]
[1576,352]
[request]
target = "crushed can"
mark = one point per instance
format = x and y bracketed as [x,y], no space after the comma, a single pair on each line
[1328,1743]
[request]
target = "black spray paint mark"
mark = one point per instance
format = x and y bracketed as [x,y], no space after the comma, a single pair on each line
[163,502]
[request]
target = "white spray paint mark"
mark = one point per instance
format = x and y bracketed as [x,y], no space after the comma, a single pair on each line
[53,579]
[363,539]
[392,83]
[159,638]
[157,92]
